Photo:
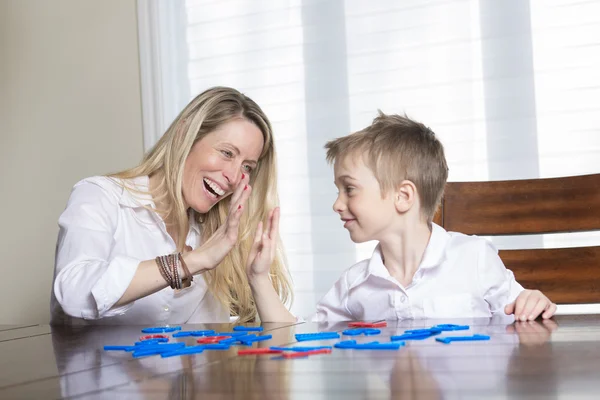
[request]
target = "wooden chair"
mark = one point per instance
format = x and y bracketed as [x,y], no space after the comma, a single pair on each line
[534,206]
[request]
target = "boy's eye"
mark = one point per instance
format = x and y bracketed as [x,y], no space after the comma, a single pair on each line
[348,189]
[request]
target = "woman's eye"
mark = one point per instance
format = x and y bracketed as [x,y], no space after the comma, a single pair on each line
[227,153]
[248,168]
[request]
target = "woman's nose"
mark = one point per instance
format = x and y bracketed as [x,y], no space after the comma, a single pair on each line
[233,175]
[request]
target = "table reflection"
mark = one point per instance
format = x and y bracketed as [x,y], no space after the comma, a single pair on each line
[521,358]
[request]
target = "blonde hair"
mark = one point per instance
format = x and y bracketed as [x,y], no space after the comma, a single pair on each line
[397,148]
[203,115]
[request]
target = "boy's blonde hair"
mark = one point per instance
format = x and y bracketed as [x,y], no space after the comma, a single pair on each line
[397,148]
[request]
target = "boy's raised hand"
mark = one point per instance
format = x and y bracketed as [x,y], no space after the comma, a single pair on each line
[529,305]
[264,247]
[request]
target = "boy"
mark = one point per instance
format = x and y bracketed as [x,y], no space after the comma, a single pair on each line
[391,177]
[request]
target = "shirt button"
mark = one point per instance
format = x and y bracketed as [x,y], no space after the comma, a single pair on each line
[166,308]
[403,299]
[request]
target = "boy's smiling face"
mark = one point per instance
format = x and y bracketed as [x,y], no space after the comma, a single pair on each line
[366,215]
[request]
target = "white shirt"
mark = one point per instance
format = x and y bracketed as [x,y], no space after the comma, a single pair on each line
[105,232]
[460,277]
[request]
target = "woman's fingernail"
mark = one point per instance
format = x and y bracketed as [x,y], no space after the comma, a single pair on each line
[243,176]
[245,187]
[239,207]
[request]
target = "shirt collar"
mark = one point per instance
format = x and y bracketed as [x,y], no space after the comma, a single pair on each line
[133,199]
[130,197]
[435,252]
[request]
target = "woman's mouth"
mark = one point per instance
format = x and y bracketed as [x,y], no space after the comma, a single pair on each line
[212,188]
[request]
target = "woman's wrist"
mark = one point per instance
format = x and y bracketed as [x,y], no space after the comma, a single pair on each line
[258,280]
[194,262]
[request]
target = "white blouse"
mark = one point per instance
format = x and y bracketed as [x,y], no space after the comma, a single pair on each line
[105,232]
[460,276]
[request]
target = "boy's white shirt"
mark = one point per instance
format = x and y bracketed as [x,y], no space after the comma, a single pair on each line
[460,276]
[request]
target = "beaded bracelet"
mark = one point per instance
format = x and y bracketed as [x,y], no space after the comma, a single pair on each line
[162,262]
[169,267]
[188,278]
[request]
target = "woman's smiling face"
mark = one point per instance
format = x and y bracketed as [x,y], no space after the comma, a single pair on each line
[215,164]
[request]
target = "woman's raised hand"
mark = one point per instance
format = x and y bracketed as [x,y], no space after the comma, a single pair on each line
[213,251]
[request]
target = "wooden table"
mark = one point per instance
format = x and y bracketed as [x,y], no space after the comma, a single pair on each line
[546,360]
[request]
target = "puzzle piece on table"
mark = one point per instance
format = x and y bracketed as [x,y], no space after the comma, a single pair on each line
[151,350]
[248,340]
[161,329]
[413,336]
[430,331]
[451,327]
[158,336]
[303,337]
[351,344]
[143,345]
[212,339]
[151,341]
[361,331]
[449,339]
[184,351]
[248,328]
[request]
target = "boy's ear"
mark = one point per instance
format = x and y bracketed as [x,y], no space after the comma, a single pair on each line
[405,196]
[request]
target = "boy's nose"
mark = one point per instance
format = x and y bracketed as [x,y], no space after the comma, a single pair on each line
[339,206]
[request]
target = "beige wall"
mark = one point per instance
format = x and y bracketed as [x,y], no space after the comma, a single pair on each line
[69,107]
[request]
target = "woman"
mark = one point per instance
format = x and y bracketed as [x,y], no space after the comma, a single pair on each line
[182,219]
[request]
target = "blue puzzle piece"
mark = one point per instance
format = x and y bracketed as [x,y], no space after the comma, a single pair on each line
[449,339]
[451,327]
[380,346]
[361,331]
[143,345]
[230,341]
[249,340]
[248,328]
[303,337]
[431,331]
[345,344]
[183,351]
[143,351]
[413,336]
[151,341]
[351,344]
[119,348]
[161,329]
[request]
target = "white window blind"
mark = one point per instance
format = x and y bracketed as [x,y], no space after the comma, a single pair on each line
[512,88]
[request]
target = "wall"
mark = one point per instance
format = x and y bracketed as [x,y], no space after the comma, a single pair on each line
[69,108]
